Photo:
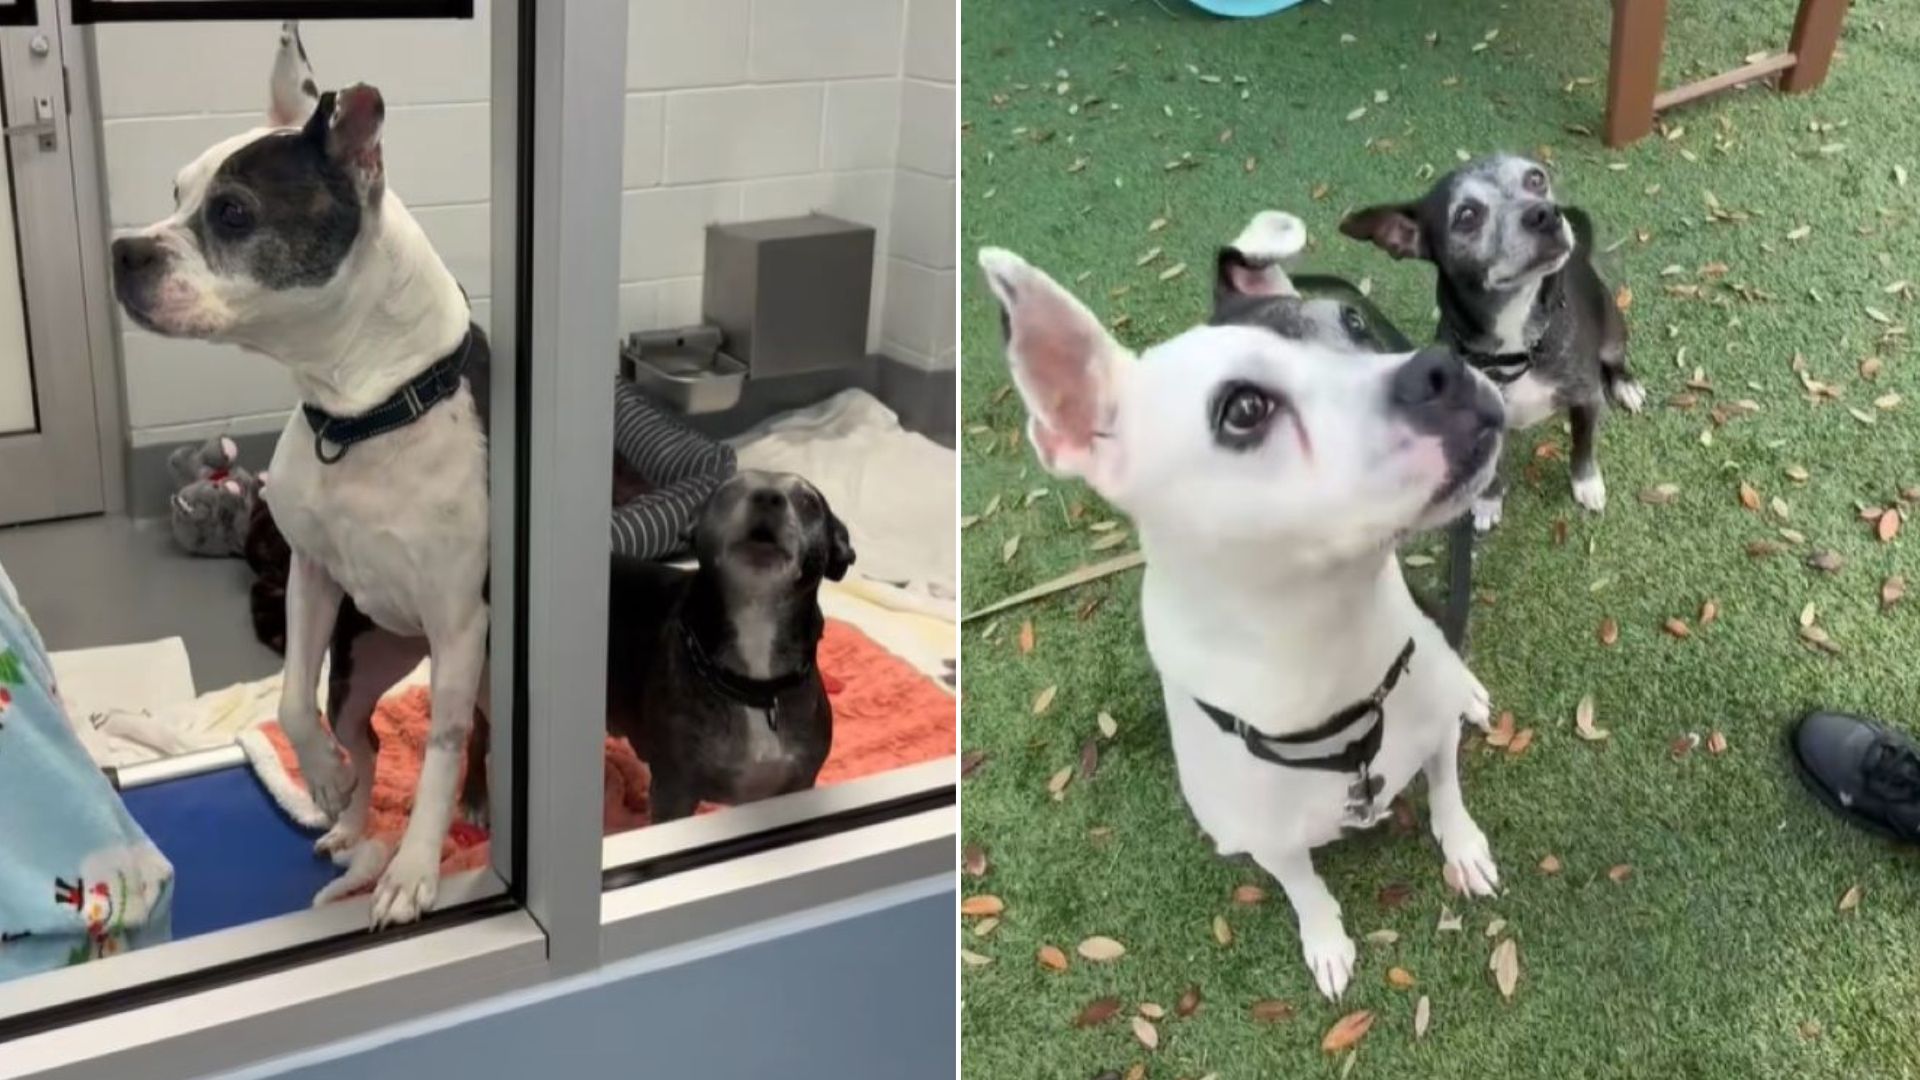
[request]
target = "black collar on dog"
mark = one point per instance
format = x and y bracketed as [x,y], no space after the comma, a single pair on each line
[1506,369]
[1309,749]
[408,404]
[762,694]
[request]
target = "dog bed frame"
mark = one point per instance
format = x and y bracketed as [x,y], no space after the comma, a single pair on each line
[1453,612]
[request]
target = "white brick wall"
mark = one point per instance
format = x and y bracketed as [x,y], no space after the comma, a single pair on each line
[735,110]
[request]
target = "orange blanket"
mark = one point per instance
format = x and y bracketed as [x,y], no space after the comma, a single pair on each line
[885,715]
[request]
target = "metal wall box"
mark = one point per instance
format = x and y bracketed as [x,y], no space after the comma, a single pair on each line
[792,294]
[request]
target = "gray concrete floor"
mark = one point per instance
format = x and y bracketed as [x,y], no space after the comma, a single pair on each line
[116,581]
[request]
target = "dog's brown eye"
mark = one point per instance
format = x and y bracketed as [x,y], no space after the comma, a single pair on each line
[1467,217]
[1353,321]
[1536,180]
[1242,414]
[231,215]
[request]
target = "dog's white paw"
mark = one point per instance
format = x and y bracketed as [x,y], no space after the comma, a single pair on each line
[1629,394]
[1330,954]
[339,842]
[407,888]
[363,861]
[1479,704]
[1590,491]
[1470,868]
[1486,512]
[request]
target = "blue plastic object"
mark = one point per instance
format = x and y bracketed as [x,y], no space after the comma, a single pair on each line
[1243,9]
[236,858]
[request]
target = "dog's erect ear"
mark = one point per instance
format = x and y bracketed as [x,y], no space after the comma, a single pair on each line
[1069,370]
[347,127]
[1393,229]
[839,547]
[1250,266]
[293,91]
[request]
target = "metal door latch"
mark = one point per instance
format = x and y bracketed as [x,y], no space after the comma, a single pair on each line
[43,124]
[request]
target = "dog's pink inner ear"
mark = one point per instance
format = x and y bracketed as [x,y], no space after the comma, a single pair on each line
[1390,228]
[1259,280]
[1059,350]
[353,137]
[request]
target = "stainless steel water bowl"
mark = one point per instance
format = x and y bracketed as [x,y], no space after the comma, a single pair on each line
[684,369]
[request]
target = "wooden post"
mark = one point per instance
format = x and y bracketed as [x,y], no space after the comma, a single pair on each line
[1816,31]
[1633,67]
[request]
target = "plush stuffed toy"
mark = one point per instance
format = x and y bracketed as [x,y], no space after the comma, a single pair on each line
[213,501]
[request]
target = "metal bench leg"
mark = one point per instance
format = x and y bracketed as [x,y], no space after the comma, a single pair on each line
[1633,67]
[1816,32]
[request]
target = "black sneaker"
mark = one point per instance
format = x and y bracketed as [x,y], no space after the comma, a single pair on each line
[1864,772]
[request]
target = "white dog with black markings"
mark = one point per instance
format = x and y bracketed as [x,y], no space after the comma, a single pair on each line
[1270,474]
[287,240]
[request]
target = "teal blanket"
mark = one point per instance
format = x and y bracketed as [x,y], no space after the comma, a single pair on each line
[79,880]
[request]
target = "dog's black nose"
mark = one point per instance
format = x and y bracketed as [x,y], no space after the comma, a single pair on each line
[1541,218]
[769,499]
[134,254]
[1428,377]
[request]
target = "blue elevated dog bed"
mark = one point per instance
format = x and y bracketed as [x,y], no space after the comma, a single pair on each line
[237,858]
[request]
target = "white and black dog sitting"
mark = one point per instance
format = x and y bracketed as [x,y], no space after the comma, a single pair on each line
[712,674]
[288,241]
[1519,295]
[1270,476]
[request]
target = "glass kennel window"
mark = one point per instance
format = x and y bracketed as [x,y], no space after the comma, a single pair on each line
[541,152]
[783,431]
[232,233]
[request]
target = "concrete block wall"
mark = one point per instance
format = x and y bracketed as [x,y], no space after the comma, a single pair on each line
[734,110]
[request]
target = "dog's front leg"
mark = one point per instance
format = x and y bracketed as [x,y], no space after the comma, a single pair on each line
[1589,487]
[313,606]
[1470,868]
[1323,938]
[1489,504]
[412,879]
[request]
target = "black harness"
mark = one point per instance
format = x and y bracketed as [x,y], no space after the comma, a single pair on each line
[762,694]
[1345,742]
[1505,369]
[407,404]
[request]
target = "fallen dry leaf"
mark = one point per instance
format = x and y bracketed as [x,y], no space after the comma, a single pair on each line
[1888,526]
[1100,950]
[1506,967]
[1383,937]
[1009,549]
[1148,1035]
[1609,631]
[1495,926]
[974,959]
[1249,894]
[1271,1011]
[1422,1017]
[1347,1031]
[1683,745]
[1749,498]
[1108,728]
[1189,1002]
[1051,958]
[1026,637]
[971,761]
[981,906]
[1623,298]
[1098,1011]
[1892,591]
[1850,899]
[1808,614]
[1449,922]
[1659,494]
[1520,742]
[1399,978]
[1502,731]
[1222,933]
[1135,1071]
[1716,743]
[985,927]
[1152,1011]
[1089,759]
[1044,700]
[1057,783]
[1393,894]
[1619,873]
[1550,864]
[1677,628]
[1709,611]
[1583,721]
[1826,561]
[973,859]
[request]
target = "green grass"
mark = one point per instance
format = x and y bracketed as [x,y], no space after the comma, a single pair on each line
[1725,941]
